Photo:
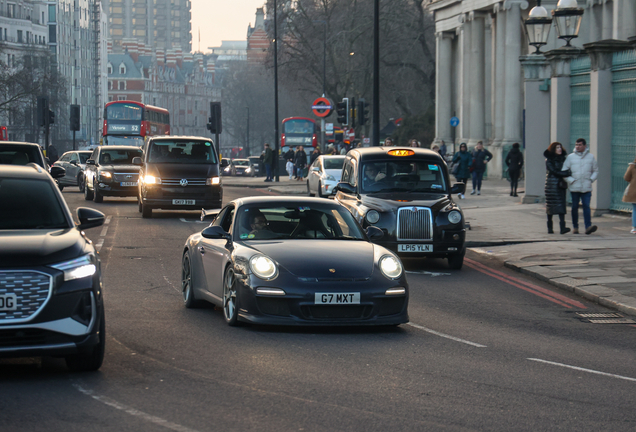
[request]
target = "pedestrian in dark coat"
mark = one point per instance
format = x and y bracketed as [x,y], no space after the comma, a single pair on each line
[555,202]
[464,160]
[514,160]
[481,157]
[300,161]
[314,155]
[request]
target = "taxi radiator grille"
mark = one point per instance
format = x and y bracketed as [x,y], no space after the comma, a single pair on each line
[177,182]
[414,225]
[31,288]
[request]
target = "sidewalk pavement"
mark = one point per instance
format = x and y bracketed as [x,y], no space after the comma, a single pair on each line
[600,267]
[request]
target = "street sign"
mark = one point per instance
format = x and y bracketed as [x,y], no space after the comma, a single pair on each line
[329,127]
[322,107]
[366,140]
[454,121]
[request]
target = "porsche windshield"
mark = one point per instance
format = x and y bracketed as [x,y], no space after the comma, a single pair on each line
[403,176]
[298,221]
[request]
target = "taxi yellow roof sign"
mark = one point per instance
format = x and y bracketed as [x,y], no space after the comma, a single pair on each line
[399,152]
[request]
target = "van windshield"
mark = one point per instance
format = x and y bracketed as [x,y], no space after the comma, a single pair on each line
[182,151]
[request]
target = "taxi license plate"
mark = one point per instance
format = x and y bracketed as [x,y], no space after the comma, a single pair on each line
[128,183]
[415,248]
[183,202]
[337,298]
[8,302]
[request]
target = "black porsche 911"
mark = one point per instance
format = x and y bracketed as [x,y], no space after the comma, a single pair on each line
[293,261]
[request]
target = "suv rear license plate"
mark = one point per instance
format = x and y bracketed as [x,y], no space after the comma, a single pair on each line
[8,302]
[415,248]
[128,183]
[183,202]
[337,298]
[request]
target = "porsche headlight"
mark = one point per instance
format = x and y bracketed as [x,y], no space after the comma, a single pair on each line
[263,267]
[372,217]
[150,179]
[454,217]
[77,268]
[212,181]
[391,266]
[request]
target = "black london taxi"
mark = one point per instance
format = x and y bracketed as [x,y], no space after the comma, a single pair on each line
[406,192]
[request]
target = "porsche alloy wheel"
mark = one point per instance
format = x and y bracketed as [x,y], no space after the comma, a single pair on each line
[230,298]
[186,283]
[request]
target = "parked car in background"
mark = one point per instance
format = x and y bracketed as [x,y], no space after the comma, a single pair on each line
[324,174]
[110,172]
[51,293]
[74,163]
[256,165]
[242,167]
[227,167]
[406,192]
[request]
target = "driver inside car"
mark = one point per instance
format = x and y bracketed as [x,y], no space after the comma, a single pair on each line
[260,228]
[372,174]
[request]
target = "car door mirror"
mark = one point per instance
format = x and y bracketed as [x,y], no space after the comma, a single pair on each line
[316,169]
[137,161]
[345,188]
[374,233]
[89,218]
[90,161]
[216,232]
[458,188]
[57,171]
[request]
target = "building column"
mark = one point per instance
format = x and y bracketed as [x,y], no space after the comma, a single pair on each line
[628,13]
[512,79]
[608,17]
[560,94]
[600,144]
[537,105]
[476,76]
[443,106]
[464,107]
[500,68]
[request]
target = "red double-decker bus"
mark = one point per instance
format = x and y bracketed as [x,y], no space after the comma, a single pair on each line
[299,131]
[129,123]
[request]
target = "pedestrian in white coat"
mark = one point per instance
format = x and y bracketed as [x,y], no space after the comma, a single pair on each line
[584,170]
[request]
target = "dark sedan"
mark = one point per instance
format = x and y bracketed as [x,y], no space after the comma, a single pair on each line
[51,300]
[293,261]
[407,194]
[110,172]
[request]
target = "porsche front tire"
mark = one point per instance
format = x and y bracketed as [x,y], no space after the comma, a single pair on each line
[230,298]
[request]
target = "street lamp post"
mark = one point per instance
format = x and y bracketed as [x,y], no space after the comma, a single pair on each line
[247,134]
[538,27]
[275,93]
[568,20]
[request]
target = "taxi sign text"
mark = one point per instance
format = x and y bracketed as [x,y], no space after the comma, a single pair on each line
[401,152]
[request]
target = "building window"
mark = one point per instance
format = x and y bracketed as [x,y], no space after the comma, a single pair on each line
[122,85]
[20,36]
[122,69]
[52,13]
[110,85]
[121,98]
[11,10]
[110,69]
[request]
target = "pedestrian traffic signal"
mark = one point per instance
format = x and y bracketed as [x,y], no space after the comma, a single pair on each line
[363,112]
[214,121]
[342,108]
[51,117]
[75,117]
[352,112]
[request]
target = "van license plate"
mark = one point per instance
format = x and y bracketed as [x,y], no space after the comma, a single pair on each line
[8,302]
[183,202]
[415,248]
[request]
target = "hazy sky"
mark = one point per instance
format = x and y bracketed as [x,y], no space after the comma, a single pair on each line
[221,20]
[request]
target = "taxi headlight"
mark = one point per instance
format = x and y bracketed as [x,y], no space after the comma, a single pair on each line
[372,217]
[391,266]
[77,268]
[150,179]
[263,267]
[454,217]
[212,181]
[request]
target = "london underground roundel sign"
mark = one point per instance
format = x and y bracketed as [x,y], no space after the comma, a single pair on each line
[322,107]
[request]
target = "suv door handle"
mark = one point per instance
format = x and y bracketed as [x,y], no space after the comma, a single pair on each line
[202,250]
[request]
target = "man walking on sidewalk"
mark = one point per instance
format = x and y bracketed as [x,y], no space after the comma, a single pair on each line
[481,157]
[584,170]
[268,160]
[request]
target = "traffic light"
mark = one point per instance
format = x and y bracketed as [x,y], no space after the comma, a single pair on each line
[363,112]
[214,122]
[352,113]
[43,106]
[75,117]
[342,108]
[51,117]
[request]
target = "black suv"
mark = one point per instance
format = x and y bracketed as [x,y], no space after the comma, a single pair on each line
[178,173]
[22,153]
[50,279]
[406,192]
[110,172]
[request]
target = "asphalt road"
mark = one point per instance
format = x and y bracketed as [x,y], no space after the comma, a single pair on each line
[486,349]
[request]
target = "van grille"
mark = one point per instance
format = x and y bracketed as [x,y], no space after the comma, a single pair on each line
[177,182]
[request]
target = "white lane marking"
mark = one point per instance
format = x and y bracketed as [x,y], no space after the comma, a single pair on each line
[194,221]
[428,273]
[171,284]
[104,231]
[99,244]
[147,417]
[583,369]
[107,220]
[446,336]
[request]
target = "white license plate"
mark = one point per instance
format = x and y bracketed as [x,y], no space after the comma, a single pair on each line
[128,183]
[415,248]
[8,302]
[183,202]
[337,298]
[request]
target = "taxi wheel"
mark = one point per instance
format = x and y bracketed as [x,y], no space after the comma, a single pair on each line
[97,196]
[139,204]
[88,194]
[309,190]
[456,261]
[230,298]
[146,212]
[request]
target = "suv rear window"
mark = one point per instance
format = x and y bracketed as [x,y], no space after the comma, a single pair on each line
[30,204]
[19,155]
[181,151]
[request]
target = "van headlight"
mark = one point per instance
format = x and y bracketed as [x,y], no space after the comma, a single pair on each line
[212,181]
[150,179]
[76,268]
[263,267]
[454,217]
[391,267]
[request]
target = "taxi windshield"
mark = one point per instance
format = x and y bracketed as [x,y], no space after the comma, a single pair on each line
[403,176]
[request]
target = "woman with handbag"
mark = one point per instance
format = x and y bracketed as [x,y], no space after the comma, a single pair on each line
[630,191]
[461,168]
[555,185]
